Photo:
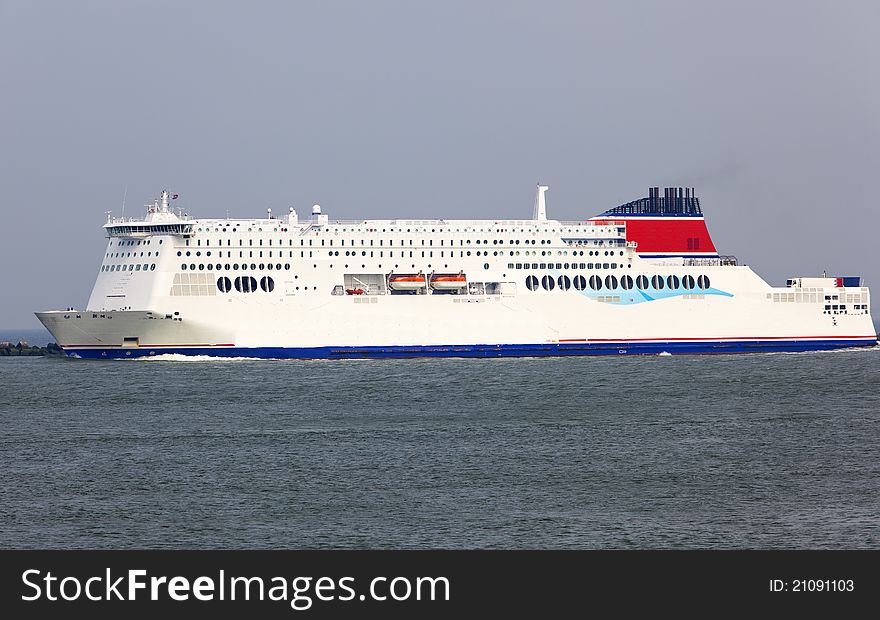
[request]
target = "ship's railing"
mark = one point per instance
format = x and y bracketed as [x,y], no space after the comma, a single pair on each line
[608,222]
[140,220]
[721,261]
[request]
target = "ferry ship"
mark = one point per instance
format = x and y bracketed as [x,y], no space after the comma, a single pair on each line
[640,278]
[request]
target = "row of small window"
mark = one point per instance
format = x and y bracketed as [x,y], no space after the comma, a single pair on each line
[233,227]
[245,284]
[234,266]
[146,267]
[229,254]
[841,308]
[134,242]
[564,265]
[580,283]
[401,242]
[126,254]
[391,245]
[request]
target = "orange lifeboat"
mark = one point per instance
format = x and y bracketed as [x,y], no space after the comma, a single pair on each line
[448,281]
[354,291]
[406,281]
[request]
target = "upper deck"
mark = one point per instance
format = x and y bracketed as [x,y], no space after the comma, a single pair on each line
[161,220]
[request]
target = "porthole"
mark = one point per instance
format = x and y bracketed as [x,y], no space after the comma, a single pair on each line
[532,283]
[564,283]
[595,283]
[224,284]
[672,282]
[610,282]
[688,282]
[245,284]
[548,283]
[657,282]
[626,282]
[267,284]
[580,282]
[642,282]
[703,282]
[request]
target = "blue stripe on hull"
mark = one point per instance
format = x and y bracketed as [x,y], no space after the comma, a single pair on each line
[485,350]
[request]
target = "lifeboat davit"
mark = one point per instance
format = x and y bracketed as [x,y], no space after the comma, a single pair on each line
[406,281]
[448,281]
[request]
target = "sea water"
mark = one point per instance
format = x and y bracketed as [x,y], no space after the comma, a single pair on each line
[727,451]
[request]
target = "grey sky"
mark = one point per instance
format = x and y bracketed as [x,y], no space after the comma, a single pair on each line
[436,109]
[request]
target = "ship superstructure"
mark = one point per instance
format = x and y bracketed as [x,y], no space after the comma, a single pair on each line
[641,278]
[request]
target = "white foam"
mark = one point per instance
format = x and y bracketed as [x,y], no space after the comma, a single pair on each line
[178,357]
[873,349]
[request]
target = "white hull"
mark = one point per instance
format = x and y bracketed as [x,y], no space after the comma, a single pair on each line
[162,307]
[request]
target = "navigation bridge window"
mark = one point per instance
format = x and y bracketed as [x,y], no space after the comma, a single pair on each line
[144,230]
